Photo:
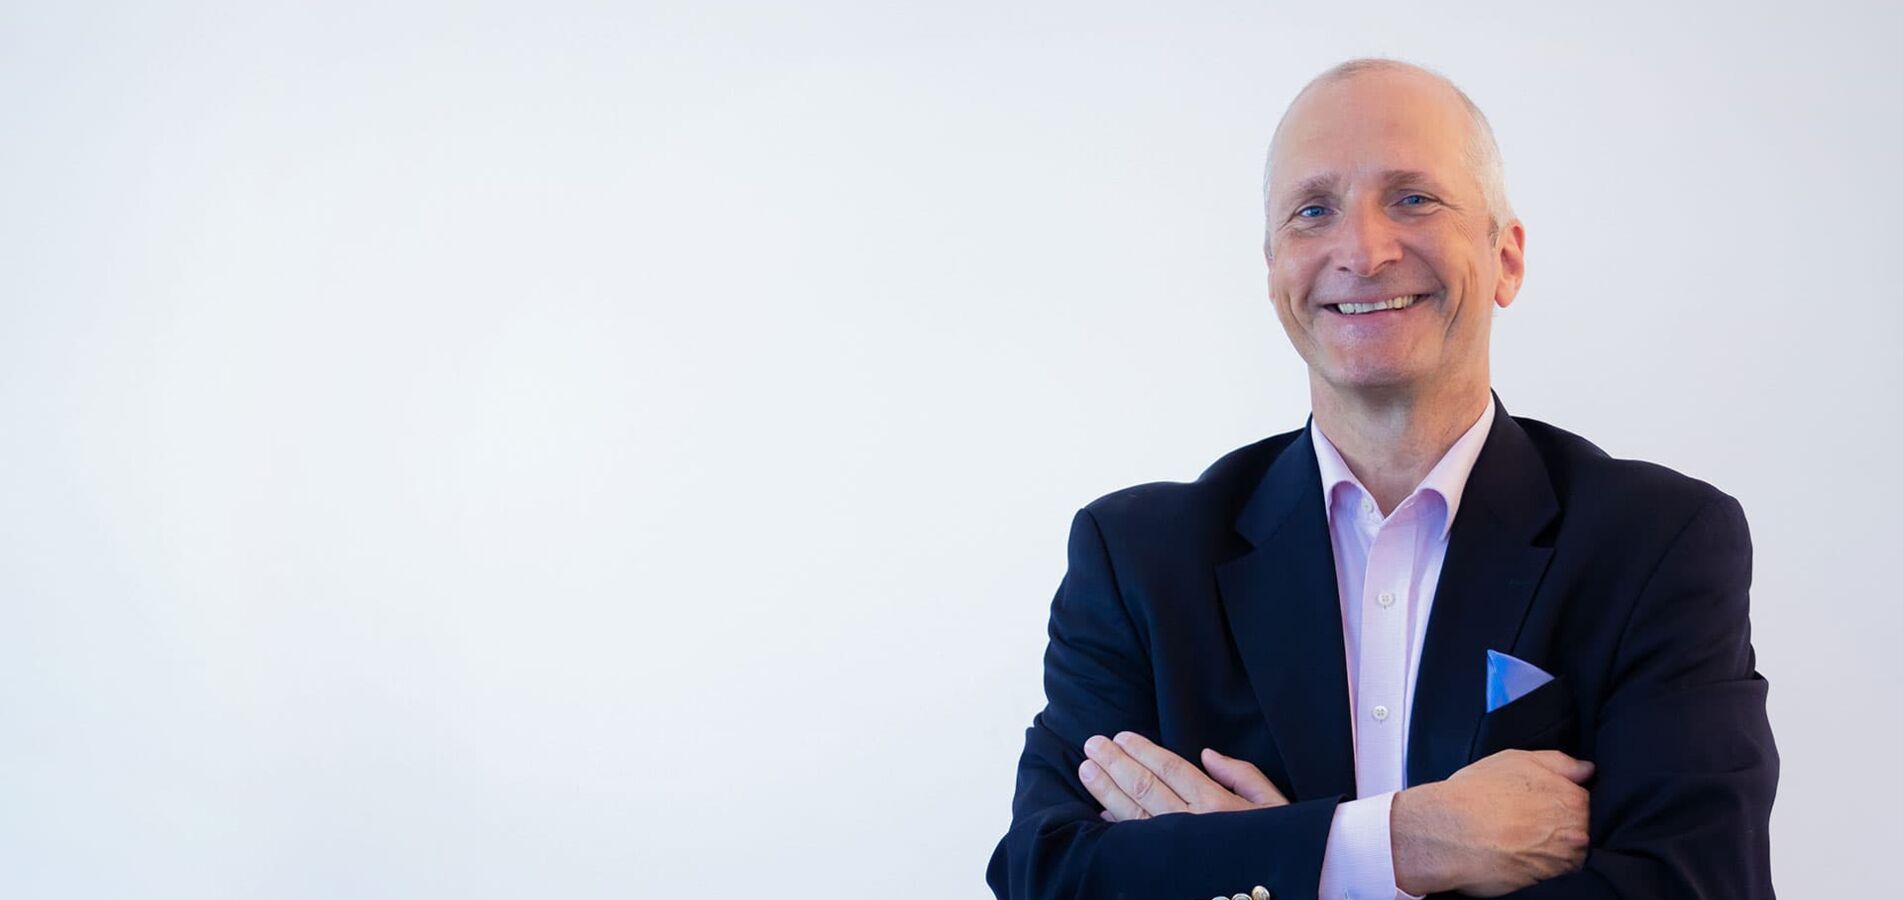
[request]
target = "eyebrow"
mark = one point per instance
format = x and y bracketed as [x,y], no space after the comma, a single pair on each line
[1313,185]
[1394,178]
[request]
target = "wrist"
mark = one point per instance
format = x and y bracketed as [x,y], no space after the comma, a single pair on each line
[1415,818]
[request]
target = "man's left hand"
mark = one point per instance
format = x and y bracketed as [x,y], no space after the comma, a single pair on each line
[1135,779]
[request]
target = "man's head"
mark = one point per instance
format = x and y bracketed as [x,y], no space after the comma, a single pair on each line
[1383,181]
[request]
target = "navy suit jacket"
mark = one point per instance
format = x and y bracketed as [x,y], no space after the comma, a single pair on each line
[1206,615]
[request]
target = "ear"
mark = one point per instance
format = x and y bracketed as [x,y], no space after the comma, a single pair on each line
[1512,263]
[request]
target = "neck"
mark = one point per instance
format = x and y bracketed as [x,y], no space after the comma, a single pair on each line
[1391,438]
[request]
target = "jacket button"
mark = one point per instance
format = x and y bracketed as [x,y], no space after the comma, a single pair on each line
[1260,893]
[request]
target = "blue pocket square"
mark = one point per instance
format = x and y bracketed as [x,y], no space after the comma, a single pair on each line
[1509,679]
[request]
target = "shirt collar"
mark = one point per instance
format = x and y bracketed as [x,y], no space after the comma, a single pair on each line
[1448,478]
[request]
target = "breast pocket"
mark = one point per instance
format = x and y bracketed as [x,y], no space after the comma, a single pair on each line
[1541,719]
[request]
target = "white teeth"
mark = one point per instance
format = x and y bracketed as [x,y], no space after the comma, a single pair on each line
[1355,309]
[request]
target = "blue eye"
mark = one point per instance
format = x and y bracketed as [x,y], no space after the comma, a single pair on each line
[1303,212]
[1415,197]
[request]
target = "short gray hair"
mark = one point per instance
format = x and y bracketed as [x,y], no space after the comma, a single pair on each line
[1483,152]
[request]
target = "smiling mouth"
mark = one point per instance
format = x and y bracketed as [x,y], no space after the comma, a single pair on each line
[1361,309]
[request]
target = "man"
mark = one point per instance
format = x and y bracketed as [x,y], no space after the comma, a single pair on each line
[1420,645]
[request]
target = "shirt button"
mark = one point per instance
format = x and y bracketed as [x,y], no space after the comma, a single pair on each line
[1386,598]
[1380,713]
[1367,506]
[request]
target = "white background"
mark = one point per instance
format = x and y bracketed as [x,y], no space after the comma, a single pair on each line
[550,450]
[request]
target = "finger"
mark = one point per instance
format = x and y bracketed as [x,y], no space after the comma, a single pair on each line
[1575,770]
[1133,777]
[1243,778]
[1183,778]
[1117,805]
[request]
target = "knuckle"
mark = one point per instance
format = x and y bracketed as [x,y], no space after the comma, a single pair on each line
[1142,786]
[1578,800]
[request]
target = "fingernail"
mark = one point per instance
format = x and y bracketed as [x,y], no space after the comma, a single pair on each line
[1088,772]
[1094,744]
[1123,738]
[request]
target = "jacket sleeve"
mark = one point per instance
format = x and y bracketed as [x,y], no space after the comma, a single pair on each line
[1098,680]
[1686,768]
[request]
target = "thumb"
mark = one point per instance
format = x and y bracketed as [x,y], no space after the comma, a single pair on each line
[1575,770]
[1243,779]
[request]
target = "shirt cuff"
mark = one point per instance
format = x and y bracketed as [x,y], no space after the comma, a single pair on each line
[1358,862]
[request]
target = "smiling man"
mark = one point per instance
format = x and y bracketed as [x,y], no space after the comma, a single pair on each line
[1419,645]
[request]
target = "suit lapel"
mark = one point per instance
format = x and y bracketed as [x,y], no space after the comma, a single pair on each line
[1284,611]
[1494,562]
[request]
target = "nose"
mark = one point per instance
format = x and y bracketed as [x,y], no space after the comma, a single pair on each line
[1366,243]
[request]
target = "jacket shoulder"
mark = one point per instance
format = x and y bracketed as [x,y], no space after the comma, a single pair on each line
[1587,477]
[1209,504]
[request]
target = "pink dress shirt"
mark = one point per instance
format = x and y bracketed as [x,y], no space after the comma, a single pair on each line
[1386,569]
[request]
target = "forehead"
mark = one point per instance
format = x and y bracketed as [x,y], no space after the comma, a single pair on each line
[1368,126]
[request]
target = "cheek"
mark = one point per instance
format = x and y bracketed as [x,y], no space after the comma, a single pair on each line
[1287,285]
[1284,304]
[1477,290]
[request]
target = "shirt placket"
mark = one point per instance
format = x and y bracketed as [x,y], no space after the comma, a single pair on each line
[1385,599]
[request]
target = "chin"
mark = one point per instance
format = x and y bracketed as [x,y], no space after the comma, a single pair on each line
[1373,377]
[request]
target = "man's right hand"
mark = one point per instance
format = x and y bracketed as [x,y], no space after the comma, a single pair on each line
[1500,824]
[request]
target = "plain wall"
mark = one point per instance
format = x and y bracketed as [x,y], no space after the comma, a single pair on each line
[626,450]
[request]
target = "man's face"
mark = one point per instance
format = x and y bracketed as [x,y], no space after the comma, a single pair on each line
[1373,198]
